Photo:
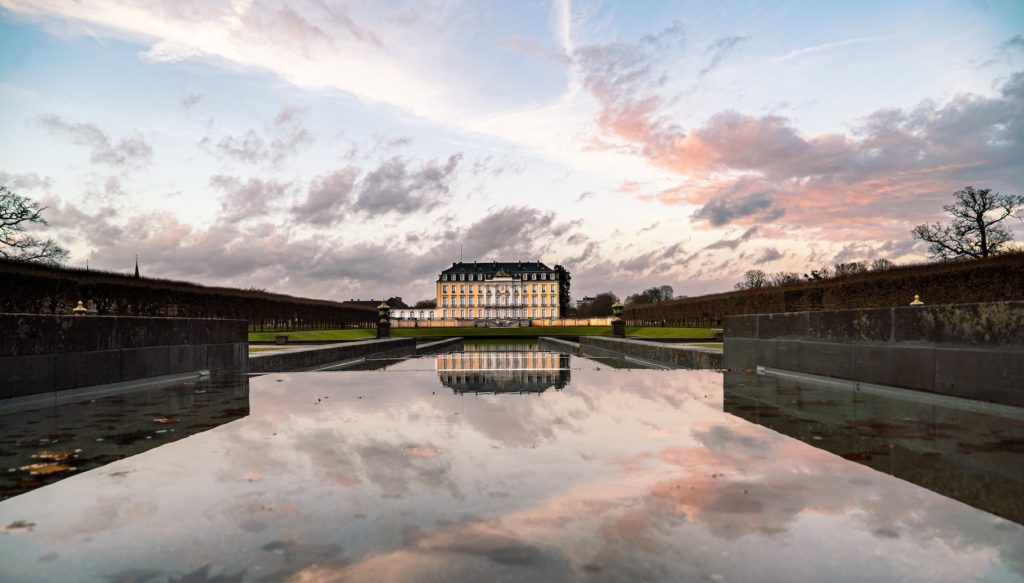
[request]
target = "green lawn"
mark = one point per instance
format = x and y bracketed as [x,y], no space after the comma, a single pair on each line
[672,332]
[342,335]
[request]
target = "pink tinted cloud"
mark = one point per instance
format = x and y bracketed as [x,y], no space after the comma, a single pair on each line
[893,169]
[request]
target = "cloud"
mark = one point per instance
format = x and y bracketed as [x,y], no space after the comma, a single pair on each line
[339,15]
[248,199]
[328,197]
[894,168]
[534,48]
[671,38]
[733,243]
[25,181]
[508,233]
[1014,42]
[191,100]
[131,151]
[724,210]
[719,50]
[768,254]
[660,260]
[1014,86]
[394,187]
[650,227]
[285,137]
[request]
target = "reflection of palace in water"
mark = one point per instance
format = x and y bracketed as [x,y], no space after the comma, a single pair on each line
[492,370]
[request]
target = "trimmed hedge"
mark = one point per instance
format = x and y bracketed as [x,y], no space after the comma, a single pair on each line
[993,279]
[43,289]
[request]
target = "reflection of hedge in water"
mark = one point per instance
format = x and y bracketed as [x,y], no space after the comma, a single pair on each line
[997,278]
[41,289]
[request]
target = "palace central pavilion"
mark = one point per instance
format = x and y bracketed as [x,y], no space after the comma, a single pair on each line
[493,291]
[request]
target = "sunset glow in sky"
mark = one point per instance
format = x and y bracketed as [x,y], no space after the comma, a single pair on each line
[353,150]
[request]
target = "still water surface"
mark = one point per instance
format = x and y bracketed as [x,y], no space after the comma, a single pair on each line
[504,464]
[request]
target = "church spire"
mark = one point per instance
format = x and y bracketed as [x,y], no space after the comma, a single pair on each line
[136,266]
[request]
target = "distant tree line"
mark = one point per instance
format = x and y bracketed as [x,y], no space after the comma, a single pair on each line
[757,278]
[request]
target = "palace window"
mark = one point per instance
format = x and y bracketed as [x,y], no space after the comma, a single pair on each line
[444,314]
[444,289]
[535,312]
[462,313]
[462,288]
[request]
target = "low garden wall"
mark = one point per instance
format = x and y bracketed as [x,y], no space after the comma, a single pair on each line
[40,353]
[307,358]
[974,351]
[674,355]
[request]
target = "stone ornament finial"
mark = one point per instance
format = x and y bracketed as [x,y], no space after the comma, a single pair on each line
[917,300]
[80,309]
[617,308]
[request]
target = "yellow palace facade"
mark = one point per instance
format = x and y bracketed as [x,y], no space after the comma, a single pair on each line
[494,291]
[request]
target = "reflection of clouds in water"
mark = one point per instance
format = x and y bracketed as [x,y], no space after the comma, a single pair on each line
[621,476]
[475,550]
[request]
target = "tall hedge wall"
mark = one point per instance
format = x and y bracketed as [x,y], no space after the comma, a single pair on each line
[42,289]
[954,282]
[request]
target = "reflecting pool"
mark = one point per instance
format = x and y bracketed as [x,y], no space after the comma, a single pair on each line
[510,463]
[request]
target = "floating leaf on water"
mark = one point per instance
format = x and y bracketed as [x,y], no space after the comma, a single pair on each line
[166,420]
[43,469]
[56,456]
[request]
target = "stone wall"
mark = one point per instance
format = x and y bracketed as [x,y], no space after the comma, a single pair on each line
[674,355]
[974,351]
[308,358]
[44,353]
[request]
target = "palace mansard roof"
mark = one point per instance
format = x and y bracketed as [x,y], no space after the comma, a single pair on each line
[491,269]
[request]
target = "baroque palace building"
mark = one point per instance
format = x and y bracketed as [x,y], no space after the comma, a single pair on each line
[493,291]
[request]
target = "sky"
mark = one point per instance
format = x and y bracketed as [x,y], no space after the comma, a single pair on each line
[344,150]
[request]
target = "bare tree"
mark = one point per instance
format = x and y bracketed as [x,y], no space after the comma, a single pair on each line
[783,278]
[16,213]
[850,268]
[976,230]
[753,278]
[881,264]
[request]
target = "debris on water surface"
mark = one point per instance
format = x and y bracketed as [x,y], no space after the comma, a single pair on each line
[43,469]
[166,420]
[19,526]
[56,456]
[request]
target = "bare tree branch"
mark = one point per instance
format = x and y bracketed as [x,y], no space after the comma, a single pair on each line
[976,230]
[16,213]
